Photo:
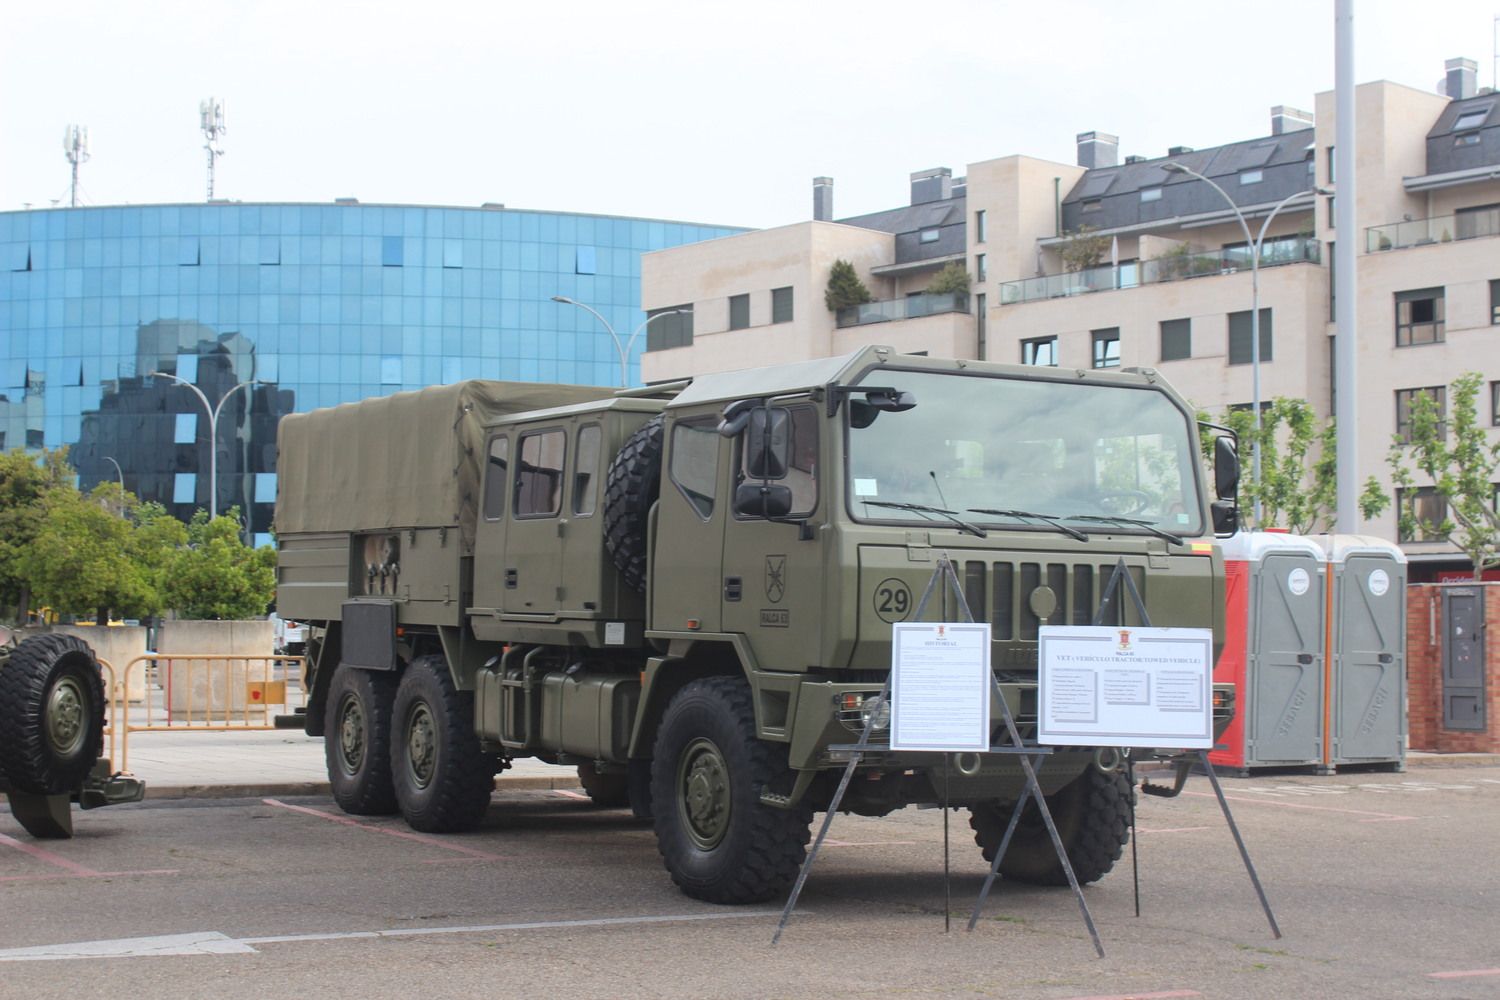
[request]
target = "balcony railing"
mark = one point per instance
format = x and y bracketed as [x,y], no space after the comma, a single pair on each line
[1168,267]
[1438,229]
[908,308]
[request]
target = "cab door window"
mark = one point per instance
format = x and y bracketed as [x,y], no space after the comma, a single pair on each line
[695,463]
[585,471]
[539,473]
[494,478]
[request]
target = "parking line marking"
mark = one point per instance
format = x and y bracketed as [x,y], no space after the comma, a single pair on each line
[46,856]
[526,926]
[1378,817]
[1463,975]
[568,794]
[1143,996]
[830,842]
[1173,829]
[199,943]
[402,834]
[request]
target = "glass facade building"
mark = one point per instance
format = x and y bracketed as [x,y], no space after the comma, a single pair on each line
[279,308]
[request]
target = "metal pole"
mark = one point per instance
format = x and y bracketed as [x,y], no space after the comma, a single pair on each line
[622,349]
[118,473]
[1346,487]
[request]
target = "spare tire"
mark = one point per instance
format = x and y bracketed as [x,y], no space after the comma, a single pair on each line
[631,486]
[51,714]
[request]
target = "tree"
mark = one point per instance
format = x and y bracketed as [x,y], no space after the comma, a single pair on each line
[81,560]
[1298,467]
[844,287]
[952,279]
[1462,475]
[24,481]
[216,575]
[1083,248]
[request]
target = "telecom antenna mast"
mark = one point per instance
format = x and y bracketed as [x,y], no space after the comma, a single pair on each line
[76,149]
[211,119]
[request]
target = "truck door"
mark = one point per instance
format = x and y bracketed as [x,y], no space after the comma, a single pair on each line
[686,566]
[773,578]
[532,567]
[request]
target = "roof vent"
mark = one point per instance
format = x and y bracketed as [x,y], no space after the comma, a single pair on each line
[822,199]
[1178,150]
[931,185]
[1462,78]
[1133,158]
[346,201]
[1098,149]
[1285,119]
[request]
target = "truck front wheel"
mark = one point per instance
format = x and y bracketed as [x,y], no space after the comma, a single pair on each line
[357,741]
[51,714]
[718,841]
[443,779]
[1092,814]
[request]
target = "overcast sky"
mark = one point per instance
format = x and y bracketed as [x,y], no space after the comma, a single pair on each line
[700,111]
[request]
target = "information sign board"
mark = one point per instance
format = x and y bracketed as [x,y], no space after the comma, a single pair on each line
[940,686]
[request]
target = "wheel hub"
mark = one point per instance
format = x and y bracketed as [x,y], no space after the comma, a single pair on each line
[352,736]
[421,746]
[704,784]
[66,728]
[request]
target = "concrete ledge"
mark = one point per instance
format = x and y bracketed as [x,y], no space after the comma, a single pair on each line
[253,790]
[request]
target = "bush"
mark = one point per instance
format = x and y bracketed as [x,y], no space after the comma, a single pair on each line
[844,287]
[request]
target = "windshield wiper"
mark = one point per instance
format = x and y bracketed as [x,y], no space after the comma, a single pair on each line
[1047,518]
[1133,522]
[922,508]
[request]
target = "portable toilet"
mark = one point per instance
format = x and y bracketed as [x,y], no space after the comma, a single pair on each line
[1366,710]
[1273,651]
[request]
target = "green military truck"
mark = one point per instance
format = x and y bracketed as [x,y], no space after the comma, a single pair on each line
[52,734]
[687,591]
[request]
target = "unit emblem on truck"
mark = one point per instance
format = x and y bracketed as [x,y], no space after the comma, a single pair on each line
[775,578]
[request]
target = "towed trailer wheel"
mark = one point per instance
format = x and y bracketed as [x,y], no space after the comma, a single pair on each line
[51,714]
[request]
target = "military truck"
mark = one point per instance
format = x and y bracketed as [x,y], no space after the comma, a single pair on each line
[686,591]
[52,734]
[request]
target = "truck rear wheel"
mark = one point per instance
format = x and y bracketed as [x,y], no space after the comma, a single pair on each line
[631,485]
[1092,814]
[357,743]
[442,778]
[717,840]
[51,714]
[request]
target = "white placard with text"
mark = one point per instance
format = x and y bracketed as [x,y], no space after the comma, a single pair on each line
[1121,686]
[940,686]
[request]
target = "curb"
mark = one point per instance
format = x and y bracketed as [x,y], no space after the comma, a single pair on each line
[255,790]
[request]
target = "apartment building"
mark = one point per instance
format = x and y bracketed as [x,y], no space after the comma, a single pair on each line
[1163,277]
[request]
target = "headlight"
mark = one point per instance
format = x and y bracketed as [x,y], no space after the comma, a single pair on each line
[856,709]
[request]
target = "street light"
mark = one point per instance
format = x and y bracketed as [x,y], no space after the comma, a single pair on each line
[213,432]
[1254,245]
[118,473]
[622,349]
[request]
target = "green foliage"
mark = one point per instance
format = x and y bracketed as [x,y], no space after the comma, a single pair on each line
[24,481]
[844,287]
[1298,467]
[1083,248]
[952,279]
[1463,473]
[216,575]
[81,561]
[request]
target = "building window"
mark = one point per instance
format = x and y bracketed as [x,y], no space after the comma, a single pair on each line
[929,235]
[187,251]
[1421,511]
[1332,171]
[1107,347]
[1419,317]
[1150,194]
[1481,220]
[981,266]
[390,369]
[1239,337]
[1251,176]
[539,474]
[1471,119]
[391,251]
[1404,400]
[184,484]
[1495,404]
[981,229]
[1176,339]
[781,305]
[1495,301]
[1041,351]
[675,329]
[585,261]
[1466,139]
[186,429]
[739,311]
[1092,204]
[453,253]
[981,326]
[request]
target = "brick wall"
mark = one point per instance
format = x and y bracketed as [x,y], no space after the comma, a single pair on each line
[1424,673]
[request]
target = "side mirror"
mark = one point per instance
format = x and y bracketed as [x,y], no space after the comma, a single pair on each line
[767,443]
[762,500]
[1226,515]
[1226,469]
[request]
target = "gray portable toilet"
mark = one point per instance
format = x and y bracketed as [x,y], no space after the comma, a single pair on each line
[1273,651]
[1367,693]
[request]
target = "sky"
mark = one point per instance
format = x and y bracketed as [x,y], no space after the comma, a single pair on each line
[698,111]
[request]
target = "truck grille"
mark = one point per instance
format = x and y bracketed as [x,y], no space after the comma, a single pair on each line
[1000,593]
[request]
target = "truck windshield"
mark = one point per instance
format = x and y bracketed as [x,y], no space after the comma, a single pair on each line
[1061,449]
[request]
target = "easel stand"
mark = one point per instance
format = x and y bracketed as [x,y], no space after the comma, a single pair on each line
[1016,747]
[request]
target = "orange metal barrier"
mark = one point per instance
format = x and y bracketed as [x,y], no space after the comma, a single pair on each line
[111,692]
[206,693]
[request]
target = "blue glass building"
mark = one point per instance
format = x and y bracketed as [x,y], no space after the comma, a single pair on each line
[312,305]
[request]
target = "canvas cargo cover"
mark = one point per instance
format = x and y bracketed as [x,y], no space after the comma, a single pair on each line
[408,460]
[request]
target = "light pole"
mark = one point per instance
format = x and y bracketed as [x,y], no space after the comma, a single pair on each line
[1253,244]
[118,473]
[623,349]
[213,432]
